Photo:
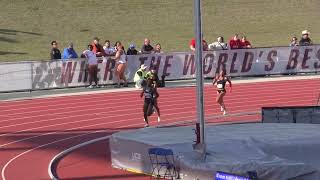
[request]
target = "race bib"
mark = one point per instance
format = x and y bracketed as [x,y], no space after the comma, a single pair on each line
[219,86]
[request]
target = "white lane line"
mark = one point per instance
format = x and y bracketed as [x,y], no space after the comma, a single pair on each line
[235,81]
[63,153]
[283,84]
[116,97]
[123,109]
[64,109]
[208,110]
[92,125]
[35,148]
[67,151]
[3,170]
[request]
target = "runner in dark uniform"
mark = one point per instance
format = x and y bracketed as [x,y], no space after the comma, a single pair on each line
[221,81]
[150,93]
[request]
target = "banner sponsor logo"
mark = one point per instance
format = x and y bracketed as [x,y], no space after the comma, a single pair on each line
[242,62]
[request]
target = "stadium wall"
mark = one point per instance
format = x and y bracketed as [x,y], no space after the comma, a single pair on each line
[47,74]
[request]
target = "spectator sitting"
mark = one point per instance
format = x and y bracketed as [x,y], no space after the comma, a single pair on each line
[235,42]
[305,40]
[132,50]
[139,76]
[97,48]
[69,52]
[294,42]
[108,50]
[192,45]
[220,44]
[146,48]
[158,48]
[245,44]
[55,52]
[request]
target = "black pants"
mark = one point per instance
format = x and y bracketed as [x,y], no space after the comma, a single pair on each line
[93,74]
[147,108]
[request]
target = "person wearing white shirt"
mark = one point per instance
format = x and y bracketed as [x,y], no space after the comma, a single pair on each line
[219,45]
[110,51]
[93,66]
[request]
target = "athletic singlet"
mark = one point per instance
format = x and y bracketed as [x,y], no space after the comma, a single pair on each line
[123,59]
[148,92]
[221,83]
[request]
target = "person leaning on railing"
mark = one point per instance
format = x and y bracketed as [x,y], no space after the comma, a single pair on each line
[305,39]
[294,42]
[132,50]
[244,43]
[108,50]
[146,48]
[97,48]
[55,52]
[218,45]
[69,52]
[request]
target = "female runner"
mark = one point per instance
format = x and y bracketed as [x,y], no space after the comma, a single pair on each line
[221,80]
[121,64]
[150,93]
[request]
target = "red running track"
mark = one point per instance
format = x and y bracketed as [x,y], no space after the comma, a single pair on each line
[32,132]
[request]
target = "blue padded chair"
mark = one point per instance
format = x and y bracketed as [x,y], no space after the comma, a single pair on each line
[162,162]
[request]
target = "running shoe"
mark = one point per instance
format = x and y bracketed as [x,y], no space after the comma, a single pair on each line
[221,108]
[90,87]
[224,112]
[146,125]
[158,119]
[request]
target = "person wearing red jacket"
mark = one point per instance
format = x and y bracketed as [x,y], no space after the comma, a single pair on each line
[245,44]
[97,48]
[235,42]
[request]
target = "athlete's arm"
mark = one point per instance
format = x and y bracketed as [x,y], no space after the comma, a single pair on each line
[141,94]
[156,93]
[214,80]
[230,84]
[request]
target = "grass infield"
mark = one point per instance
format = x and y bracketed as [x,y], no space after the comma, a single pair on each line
[28,26]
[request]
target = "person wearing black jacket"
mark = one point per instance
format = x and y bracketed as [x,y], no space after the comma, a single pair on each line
[132,50]
[305,40]
[55,52]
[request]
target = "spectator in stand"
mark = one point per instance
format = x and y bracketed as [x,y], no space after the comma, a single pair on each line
[132,50]
[305,40]
[93,65]
[235,42]
[121,63]
[97,48]
[218,45]
[108,50]
[192,45]
[55,52]
[146,48]
[245,44]
[158,48]
[118,43]
[294,42]
[69,52]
